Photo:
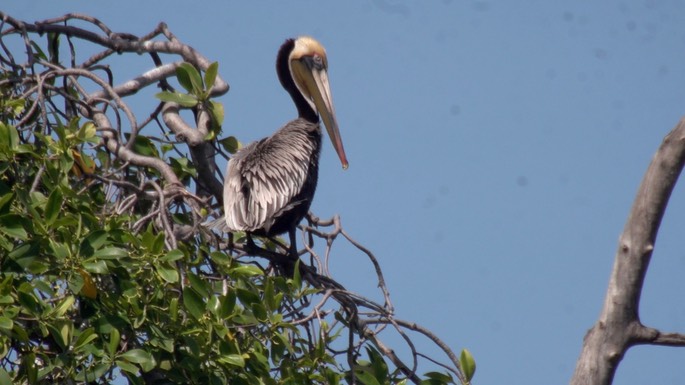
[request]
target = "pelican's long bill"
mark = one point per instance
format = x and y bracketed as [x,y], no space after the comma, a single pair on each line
[309,72]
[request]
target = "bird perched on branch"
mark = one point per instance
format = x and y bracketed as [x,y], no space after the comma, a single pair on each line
[269,184]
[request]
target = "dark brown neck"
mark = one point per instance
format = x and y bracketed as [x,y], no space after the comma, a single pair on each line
[304,109]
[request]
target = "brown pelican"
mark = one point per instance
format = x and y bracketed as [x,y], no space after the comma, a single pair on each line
[270,183]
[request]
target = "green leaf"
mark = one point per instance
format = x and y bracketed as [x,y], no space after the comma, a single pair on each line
[168,273]
[92,242]
[27,256]
[248,297]
[29,362]
[153,241]
[245,318]
[59,250]
[87,132]
[144,146]
[217,111]
[92,373]
[127,367]
[259,311]
[230,144]
[364,375]
[166,343]
[183,76]
[210,74]
[297,279]
[66,163]
[380,368]
[8,136]
[183,167]
[173,309]
[38,51]
[468,364]
[440,378]
[53,206]
[61,332]
[193,303]
[166,147]
[20,333]
[189,78]
[11,225]
[29,302]
[195,79]
[77,283]
[259,362]
[96,267]
[278,346]
[269,294]
[136,356]
[5,199]
[5,377]
[199,285]
[140,357]
[213,304]
[233,359]
[63,307]
[85,337]
[17,106]
[111,253]
[227,304]
[26,252]
[221,259]
[184,100]
[247,271]
[113,344]
[6,323]
[172,256]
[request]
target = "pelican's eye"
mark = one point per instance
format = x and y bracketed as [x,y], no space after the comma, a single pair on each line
[318,61]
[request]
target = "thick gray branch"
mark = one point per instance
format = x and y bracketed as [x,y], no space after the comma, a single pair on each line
[619,326]
[134,85]
[119,44]
[201,150]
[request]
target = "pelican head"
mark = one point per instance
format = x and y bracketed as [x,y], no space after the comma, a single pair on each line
[308,64]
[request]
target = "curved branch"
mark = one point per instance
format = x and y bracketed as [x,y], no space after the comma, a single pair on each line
[361,314]
[428,334]
[118,43]
[619,326]
[132,86]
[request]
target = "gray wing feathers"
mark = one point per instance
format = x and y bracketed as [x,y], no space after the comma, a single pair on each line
[263,178]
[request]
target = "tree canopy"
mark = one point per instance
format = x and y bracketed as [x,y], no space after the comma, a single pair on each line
[106,269]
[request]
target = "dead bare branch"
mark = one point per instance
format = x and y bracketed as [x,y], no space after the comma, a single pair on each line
[361,313]
[619,327]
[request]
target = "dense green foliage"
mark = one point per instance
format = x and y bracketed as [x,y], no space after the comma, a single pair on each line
[84,292]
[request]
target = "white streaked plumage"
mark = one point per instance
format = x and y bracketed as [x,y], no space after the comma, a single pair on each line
[266,179]
[270,184]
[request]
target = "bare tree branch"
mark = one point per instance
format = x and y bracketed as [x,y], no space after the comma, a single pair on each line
[619,327]
[362,314]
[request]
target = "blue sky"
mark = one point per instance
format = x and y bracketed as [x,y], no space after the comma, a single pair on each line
[495,149]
